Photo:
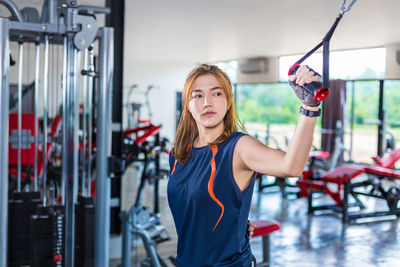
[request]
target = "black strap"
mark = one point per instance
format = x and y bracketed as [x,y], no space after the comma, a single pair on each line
[310,113]
[325,53]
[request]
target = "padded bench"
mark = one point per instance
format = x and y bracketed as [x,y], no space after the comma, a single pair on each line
[264,228]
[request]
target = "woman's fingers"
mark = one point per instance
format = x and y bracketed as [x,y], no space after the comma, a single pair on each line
[306,78]
[303,75]
[251,229]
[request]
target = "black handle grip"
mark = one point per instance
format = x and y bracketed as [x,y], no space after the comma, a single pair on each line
[315,88]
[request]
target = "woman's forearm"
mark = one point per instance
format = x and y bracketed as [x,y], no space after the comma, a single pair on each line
[297,154]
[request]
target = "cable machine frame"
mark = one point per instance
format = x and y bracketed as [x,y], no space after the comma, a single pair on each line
[77,33]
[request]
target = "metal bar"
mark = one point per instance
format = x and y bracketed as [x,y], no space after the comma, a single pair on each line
[266,249]
[381,118]
[4,102]
[353,94]
[126,238]
[90,118]
[359,215]
[310,209]
[157,181]
[102,222]
[84,132]
[52,11]
[75,98]
[149,244]
[64,172]
[20,63]
[37,70]
[369,195]
[45,114]
[51,81]
[13,9]
[70,157]
[142,180]
[37,27]
[28,66]
[345,202]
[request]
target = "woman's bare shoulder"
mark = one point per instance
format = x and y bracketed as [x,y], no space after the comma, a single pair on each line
[247,140]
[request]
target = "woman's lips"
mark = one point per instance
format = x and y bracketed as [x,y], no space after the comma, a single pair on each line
[209,114]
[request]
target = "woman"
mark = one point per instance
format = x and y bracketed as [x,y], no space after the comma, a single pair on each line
[213,167]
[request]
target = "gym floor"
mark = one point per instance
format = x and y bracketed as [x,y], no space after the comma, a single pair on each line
[319,240]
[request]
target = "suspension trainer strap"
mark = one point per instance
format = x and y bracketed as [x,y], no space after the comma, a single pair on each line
[321,93]
[325,54]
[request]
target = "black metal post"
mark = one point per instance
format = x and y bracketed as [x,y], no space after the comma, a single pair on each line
[381,119]
[353,95]
[116,20]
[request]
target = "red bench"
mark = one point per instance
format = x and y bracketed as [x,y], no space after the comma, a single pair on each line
[264,228]
[343,178]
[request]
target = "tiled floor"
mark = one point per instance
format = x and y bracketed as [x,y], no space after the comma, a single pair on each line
[319,240]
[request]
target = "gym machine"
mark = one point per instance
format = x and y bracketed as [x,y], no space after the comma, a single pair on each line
[377,181]
[144,144]
[50,237]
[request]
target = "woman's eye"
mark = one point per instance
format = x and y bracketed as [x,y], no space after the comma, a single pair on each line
[196,96]
[217,93]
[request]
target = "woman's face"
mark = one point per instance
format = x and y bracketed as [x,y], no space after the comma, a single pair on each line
[208,102]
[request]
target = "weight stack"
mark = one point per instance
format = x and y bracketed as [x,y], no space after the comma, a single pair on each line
[85,221]
[58,236]
[47,237]
[21,206]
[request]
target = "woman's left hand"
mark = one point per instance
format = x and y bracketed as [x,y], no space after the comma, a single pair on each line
[250,229]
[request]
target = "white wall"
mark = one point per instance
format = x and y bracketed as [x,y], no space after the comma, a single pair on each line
[168,78]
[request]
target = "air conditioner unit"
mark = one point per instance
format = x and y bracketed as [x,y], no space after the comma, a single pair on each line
[398,57]
[253,65]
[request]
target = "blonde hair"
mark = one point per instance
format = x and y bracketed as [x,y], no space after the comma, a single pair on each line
[187,128]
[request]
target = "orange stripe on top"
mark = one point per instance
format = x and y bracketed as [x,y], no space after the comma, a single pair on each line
[214,150]
[188,147]
[173,169]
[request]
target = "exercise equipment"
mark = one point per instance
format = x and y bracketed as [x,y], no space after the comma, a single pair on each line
[21,151]
[21,206]
[85,219]
[85,208]
[321,90]
[138,221]
[73,27]
[373,179]
[264,228]
[47,237]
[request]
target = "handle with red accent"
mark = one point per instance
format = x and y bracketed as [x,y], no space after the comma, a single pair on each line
[315,88]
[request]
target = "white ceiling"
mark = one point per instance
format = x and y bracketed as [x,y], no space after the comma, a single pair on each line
[216,30]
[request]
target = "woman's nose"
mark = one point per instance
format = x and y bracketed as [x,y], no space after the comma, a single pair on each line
[207,101]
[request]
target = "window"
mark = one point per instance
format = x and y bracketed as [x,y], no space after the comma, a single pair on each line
[349,64]
[230,68]
[270,112]
[361,137]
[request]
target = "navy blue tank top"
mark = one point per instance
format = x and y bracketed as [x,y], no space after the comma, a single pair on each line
[209,209]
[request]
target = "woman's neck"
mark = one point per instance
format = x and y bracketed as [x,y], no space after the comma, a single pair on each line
[207,136]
